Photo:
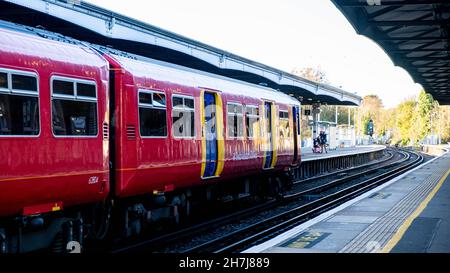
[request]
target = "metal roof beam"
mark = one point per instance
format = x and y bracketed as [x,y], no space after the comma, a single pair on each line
[420,48]
[383,11]
[426,58]
[436,77]
[347,3]
[447,70]
[433,65]
[408,39]
[400,27]
[410,23]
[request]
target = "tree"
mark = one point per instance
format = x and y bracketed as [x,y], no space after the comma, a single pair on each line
[444,123]
[365,124]
[328,113]
[424,108]
[440,119]
[406,119]
[343,115]
[371,108]
[312,74]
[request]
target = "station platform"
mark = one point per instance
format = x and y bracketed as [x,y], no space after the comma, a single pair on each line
[410,213]
[308,155]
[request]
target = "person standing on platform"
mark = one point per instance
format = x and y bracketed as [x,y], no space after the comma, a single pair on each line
[323,141]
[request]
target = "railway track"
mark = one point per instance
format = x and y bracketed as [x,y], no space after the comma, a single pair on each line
[299,206]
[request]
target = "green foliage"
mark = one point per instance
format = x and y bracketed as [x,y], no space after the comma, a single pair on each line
[343,114]
[365,124]
[424,107]
[328,113]
[407,124]
[406,118]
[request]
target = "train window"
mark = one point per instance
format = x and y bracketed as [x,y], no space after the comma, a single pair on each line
[252,121]
[86,90]
[19,105]
[22,82]
[283,127]
[235,122]
[74,107]
[145,98]
[284,115]
[74,118]
[159,100]
[152,122]
[152,114]
[19,115]
[183,116]
[63,88]
[177,102]
[3,80]
[189,103]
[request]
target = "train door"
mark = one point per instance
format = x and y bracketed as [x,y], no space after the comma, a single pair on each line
[296,122]
[210,134]
[268,153]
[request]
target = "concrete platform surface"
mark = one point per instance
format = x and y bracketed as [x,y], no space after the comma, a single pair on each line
[410,213]
[307,153]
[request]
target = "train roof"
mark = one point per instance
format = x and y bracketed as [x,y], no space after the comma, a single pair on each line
[155,69]
[48,45]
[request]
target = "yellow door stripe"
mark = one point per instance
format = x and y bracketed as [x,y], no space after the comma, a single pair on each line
[219,132]
[404,227]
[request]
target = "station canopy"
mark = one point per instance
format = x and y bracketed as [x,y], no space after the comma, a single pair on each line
[87,22]
[414,33]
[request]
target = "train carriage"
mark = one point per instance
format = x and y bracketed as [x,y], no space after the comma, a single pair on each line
[53,136]
[53,108]
[243,114]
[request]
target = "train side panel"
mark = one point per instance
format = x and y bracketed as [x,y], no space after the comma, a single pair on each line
[153,148]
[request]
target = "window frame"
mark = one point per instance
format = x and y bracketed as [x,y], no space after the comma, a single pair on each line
[283,111]
[148,106]
[242,118]
[253,116]
[23,93]
[185,109]
[284,119]
[73,98]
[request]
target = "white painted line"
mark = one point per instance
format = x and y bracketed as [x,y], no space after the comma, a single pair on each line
[298,229]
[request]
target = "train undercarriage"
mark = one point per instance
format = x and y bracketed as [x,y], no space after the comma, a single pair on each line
[116,220]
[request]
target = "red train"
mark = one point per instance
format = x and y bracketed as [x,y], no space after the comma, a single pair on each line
[94,140]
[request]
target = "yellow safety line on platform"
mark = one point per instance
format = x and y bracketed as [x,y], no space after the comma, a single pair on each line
[404,227]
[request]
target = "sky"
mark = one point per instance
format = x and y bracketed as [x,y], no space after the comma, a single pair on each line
[284,34]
